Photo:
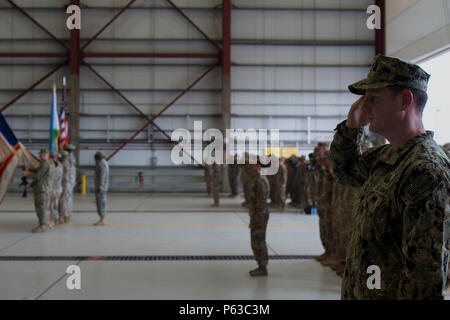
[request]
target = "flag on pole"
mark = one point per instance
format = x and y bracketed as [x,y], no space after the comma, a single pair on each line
[64,137]
[11,155]
[54,123]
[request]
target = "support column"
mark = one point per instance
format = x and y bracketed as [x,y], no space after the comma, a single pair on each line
[226,82]
[380,48]
[74,117]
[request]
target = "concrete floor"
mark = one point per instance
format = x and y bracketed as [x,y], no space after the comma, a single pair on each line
[159,225]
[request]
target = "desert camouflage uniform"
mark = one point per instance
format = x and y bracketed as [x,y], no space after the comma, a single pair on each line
[309,183]
[302,185]
[51,191]
[259,217]
[41,185]
[290,166]
[336,217]
[72,181]
[101,179]
[56,195]
[208,173]
[280,181]
[234,172]
[64,198]
[215,180]
[246,174]
[272,181]
[295,186]
[325,210]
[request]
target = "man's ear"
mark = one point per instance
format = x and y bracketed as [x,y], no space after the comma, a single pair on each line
[407,99]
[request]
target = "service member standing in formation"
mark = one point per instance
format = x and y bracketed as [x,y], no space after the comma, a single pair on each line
[53,188]
[72,179]
[402,224]
[259,217]
[101,179]
[41,186]
[234,172]
[208,173]
[64,198]
[324,196]
[246,176]
[278,195]
[216,170]
[290,166]
[57,189]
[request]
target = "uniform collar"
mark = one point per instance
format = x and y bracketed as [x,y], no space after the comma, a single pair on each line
[391,156]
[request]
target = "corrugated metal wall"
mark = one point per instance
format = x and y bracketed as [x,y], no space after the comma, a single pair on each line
[290,60]
[417,28]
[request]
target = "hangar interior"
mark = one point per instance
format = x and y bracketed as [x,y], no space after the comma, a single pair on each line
[138,70]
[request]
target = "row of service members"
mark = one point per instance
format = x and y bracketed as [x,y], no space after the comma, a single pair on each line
[295,178]
[53,184]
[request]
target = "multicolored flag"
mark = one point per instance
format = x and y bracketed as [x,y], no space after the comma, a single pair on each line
[11,155]
[54,123]
[64,136]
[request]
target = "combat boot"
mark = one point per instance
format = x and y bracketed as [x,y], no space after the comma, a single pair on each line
[60,220]
[331,260]
[100,223]
[340,273]
[41,228]
[261,271]
[339,265]
[323,256]
[67,219]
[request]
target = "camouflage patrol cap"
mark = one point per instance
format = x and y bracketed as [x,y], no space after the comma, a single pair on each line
[54,154]
[388,71]
[64,154]
[43,150]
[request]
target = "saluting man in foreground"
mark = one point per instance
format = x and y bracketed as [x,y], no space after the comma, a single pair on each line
[402,222]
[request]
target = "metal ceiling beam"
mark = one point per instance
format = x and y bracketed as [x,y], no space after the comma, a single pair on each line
[218,9]
[162,111]
[226,84]
[74,108]
[193,24]
[107,25]
[38,24]
[34,55]
[147,55]
[380,34]
[24,92]
[142,114]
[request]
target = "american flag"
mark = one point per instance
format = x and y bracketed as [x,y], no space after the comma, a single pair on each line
[63,137]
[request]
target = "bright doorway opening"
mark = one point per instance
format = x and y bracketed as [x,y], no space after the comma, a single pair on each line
[436,116]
